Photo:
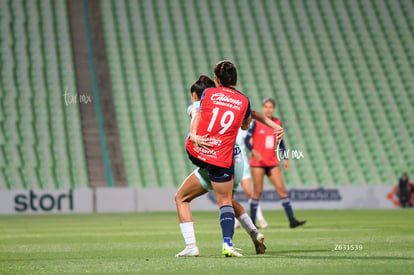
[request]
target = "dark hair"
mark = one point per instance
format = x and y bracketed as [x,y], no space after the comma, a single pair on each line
[269,99]
[226,72]
[202,83]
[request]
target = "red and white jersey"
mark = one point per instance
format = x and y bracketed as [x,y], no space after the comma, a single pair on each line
[264,142]
[222,112]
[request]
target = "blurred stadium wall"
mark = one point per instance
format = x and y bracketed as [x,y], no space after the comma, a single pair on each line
[94,94]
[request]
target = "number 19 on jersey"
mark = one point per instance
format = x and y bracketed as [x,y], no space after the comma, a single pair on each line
[225,122]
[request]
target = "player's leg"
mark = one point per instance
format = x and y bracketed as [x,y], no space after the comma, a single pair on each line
[189,190]
[260,218]
[245,181]
[257,176]
[240,174]
[247,189]
[275,176]
[240,212]
[259,214]
[223,192]
[248,225]
[222,183]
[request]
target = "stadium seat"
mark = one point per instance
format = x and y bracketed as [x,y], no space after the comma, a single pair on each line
[44,135]
[342,81]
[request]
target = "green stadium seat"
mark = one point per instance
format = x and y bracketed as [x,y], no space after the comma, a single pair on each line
[36,113]
[334,92]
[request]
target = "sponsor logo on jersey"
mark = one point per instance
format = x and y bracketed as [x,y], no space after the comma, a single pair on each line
[214,141]
[205,152]
[224,100]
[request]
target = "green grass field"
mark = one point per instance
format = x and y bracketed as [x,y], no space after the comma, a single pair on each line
[145,243]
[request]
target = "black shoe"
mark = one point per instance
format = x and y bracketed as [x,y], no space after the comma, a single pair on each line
[295,223]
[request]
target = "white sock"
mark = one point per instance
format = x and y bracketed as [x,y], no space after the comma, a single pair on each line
[259,213]
[187,230]
[247,223]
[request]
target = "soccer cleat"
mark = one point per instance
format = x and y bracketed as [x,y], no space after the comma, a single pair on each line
[236,224]
[295,223]
[258,241]
[189,251]
[263,223]
[230,251]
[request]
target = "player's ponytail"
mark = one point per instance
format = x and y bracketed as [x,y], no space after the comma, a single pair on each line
[226,73]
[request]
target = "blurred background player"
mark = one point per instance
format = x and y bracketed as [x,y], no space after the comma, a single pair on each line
[262,144]
[245,183]
[405,191]
[198,183]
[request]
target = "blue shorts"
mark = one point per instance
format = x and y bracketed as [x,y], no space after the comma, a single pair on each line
[215,173]
[266,168]
[202,174]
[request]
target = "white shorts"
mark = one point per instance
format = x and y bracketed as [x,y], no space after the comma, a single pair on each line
[246,167]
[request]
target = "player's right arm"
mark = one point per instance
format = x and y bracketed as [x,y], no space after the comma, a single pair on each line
[201,141]
[247,118]
[195,120]
[246,123]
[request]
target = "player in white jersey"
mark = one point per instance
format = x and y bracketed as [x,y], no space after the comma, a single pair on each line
[245,181]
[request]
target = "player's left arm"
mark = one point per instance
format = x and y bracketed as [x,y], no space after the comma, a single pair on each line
[267,121]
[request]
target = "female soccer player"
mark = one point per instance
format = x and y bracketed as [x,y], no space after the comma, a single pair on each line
[246,183]
[198,184]
[223,110]
[260,141]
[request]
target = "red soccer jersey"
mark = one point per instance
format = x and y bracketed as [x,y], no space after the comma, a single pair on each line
[222,112]
[264,142]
